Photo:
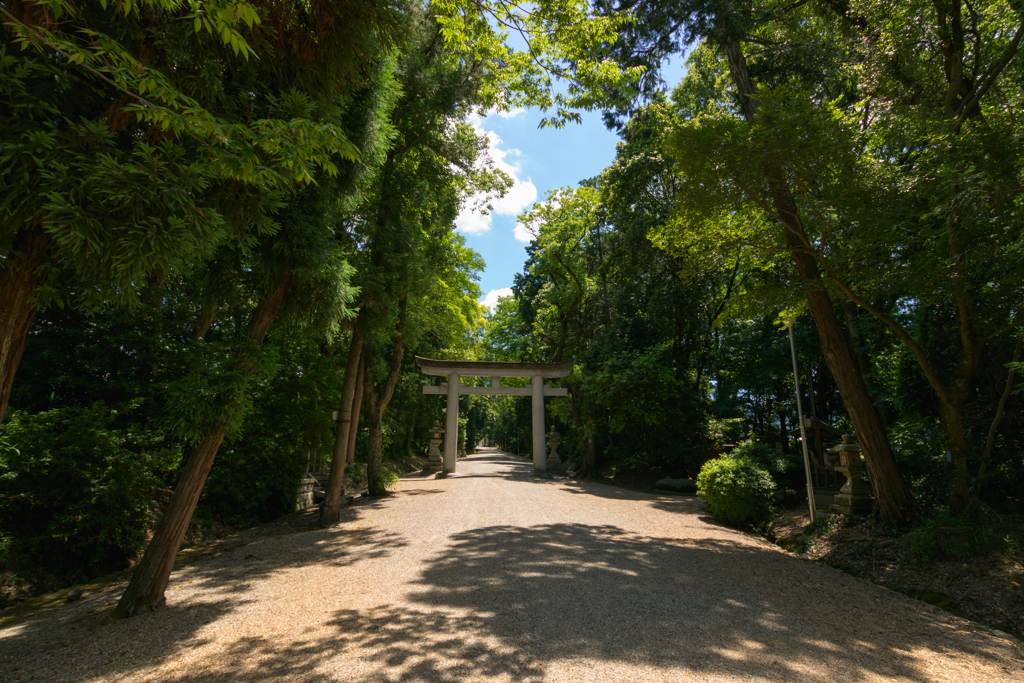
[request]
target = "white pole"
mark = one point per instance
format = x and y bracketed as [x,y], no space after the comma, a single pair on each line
[803,434]
[540,462]
[451,424]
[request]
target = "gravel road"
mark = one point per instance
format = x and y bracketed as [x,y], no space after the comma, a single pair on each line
[495,575]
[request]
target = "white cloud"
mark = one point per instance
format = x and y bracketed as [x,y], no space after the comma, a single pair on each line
[491,300]
[523,233]
[511,114]
[522,194]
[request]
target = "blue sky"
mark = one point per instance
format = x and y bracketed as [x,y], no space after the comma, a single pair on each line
[538,160]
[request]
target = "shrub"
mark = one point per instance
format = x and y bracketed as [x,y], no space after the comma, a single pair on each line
[253,481]
[780,466]
[77,495]
[737,490]
[386,480]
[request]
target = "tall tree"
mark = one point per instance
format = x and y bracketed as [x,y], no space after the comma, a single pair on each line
[128,151]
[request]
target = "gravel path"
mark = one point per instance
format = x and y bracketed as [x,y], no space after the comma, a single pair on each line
[495,575]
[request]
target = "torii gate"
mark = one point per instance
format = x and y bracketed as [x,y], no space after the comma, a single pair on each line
[454,369]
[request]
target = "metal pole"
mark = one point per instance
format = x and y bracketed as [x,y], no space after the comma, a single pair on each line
[803,434]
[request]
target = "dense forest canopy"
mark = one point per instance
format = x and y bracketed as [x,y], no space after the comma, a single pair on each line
[222,222]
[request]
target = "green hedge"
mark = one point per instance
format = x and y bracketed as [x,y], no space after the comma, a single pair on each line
[737,490]
[77,494]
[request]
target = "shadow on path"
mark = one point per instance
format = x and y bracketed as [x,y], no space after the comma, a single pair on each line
[508,602]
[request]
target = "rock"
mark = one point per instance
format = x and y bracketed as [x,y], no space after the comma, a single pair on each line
[75,595]
[185,544]
[677,485]
[344,501]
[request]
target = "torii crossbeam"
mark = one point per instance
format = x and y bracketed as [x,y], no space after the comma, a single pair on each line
[455,369]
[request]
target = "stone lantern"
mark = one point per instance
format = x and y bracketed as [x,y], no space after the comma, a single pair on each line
[435,462]
[554,463]
[854,498]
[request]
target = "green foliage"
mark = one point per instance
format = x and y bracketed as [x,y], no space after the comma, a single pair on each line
[737,490]
[948,536]
[78,490]
[778,465]
[386,480]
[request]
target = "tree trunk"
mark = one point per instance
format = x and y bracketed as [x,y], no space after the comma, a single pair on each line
[377,400]
[149,580]
[206,318]
[336,480]
[357,405]
[990,441]
[25,270]
[409,434]
[585,430]
[952,422]
[894,501]
[892,496]
[374,447]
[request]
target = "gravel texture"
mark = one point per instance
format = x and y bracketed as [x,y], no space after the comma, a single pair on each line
[496,575]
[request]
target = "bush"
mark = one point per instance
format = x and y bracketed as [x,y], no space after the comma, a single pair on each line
[386,480]
[737,490]
[252,482]
[780,466]
[77,496]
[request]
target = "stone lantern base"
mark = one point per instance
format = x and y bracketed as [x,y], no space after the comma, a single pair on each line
[854,498]
[435,461]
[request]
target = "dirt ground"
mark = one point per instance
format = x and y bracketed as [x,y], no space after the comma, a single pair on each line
[988,589]
[494,574]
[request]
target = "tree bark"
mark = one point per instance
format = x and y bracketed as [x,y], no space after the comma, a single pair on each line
[409,433]
[584,427]
[206,318]
[149,580]
[377,400]
[26,269]
[357,407]
[990,441]
[336,480]
[895,503]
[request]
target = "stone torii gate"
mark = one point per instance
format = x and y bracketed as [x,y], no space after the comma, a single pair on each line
[455,369]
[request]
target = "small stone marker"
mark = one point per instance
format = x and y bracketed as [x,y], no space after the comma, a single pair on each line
[75,595]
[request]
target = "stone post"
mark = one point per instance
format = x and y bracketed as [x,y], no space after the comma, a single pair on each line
[451,420]
[304,498]
[554,463]
[434,461]
[539,459]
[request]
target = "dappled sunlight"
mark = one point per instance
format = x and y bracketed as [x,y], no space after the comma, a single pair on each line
[383,600]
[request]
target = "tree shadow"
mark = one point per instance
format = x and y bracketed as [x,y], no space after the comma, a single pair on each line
[203,589]
[523,603]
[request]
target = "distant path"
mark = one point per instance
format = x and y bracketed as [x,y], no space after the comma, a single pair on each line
[496,575]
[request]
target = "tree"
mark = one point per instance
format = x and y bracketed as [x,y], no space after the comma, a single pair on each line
[126,154]
[726,26]
[875,162]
